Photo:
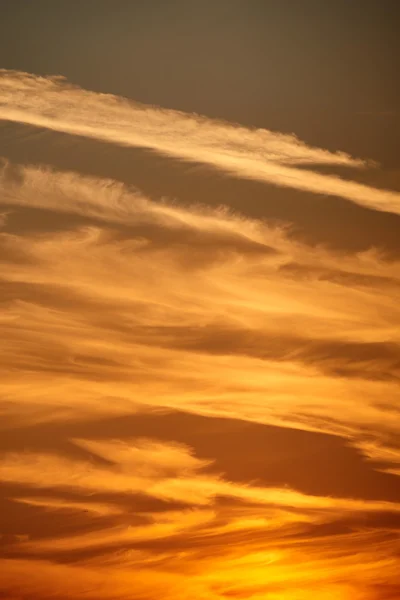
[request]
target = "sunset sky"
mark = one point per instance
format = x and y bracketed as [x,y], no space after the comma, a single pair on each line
[199,300]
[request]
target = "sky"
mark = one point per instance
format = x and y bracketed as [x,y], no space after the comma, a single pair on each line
[199,282]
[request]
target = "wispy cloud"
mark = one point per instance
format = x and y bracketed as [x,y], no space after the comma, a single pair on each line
[254,154]
[260,527]
[194,404]
[109,306]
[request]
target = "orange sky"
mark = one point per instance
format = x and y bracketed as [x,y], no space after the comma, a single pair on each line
[200,341]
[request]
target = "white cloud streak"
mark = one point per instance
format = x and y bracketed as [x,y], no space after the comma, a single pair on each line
[255,154]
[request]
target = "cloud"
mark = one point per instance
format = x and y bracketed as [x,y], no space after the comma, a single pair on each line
[315,542]
[143,305]
[31,579]
[194,404]
[255,154]
[178,477]
[54,93]
[57,504]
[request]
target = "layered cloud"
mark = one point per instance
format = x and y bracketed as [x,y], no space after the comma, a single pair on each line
[158,290]
[194,404]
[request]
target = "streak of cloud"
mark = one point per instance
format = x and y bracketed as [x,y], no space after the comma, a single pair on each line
[256,154]
[194,404]
[276,333]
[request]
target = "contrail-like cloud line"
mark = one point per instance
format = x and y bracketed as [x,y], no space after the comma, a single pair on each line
[255,154]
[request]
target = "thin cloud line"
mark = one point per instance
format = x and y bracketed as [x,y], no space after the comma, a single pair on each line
[253,154]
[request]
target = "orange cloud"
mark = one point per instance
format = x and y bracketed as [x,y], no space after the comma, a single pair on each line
[194,405]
